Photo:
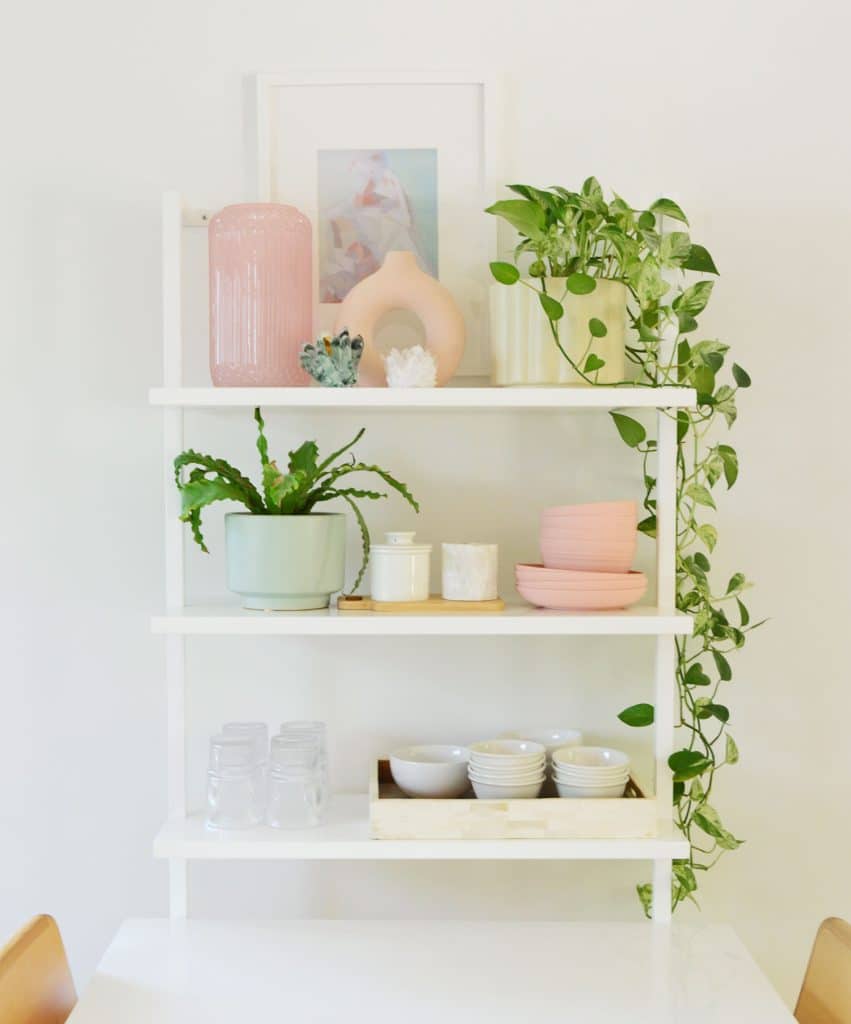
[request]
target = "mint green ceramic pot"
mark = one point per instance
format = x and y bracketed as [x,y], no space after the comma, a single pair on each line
[285,563]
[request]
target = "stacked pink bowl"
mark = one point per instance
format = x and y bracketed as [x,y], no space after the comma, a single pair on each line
[587,552]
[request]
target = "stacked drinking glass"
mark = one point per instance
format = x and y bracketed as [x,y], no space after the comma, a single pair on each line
[246,781]
[235,781]
[298,772]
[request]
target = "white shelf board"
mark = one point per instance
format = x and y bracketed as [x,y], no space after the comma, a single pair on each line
[428,398]
[345,836]
[519,620]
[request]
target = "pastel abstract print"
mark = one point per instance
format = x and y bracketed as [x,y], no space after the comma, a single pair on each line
[371,202]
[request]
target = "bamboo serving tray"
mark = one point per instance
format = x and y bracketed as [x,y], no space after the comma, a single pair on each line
[434,605]
[392,815]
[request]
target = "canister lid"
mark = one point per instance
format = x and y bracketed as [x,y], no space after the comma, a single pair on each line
[400,543]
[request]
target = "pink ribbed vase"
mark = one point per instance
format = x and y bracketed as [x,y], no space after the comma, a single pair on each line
[261,295]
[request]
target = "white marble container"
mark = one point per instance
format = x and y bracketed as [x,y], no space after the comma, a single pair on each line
[470,571]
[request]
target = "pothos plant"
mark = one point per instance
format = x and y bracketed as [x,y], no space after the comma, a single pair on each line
[306,483]
[581,237]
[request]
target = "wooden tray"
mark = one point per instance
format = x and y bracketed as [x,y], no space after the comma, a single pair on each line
[392,815]
[434,605]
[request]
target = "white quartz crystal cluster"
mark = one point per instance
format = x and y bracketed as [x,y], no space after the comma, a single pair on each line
[412,367]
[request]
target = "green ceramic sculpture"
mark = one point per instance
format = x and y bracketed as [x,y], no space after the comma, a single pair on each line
[333,361]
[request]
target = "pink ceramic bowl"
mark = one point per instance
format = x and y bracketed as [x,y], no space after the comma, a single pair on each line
[598,509]
[535,574]
[566,599]
[555,558]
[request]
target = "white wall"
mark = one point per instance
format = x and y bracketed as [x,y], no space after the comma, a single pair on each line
[738,110]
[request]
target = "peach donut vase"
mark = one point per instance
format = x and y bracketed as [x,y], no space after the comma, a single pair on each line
[400,284]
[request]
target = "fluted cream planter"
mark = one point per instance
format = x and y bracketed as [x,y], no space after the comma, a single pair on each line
[523,350]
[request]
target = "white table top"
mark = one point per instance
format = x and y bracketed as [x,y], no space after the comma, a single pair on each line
[413,972]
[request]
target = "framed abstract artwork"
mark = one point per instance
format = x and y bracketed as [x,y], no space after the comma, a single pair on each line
[383,162]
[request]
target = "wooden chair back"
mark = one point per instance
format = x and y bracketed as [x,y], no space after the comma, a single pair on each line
[35,981]
[826,992]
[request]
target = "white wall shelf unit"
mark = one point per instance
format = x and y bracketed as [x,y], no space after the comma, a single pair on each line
[459,398]
[520,620]
[345,835]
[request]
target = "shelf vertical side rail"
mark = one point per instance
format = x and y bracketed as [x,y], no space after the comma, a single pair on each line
[665,681]
[172,227]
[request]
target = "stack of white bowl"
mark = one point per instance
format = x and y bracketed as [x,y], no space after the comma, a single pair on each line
[590,771]
[507,769]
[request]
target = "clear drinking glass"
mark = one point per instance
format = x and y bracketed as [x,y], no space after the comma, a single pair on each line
[294,786]
[258,731]
[320,734]
[235,783]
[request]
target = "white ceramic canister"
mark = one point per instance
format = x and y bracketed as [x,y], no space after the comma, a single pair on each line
[399,569]
[470,572]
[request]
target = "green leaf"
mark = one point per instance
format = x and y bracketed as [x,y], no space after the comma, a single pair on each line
[505,273]
[699,494]
[592,363]
[638,715]
[725,403]
[591,187]
[630,430]
[741,377]
[708,534]
[731,464]
[277,485]
[683,423]
[696,791]
[699,260]
[668,208]
[645,896]
[707,818]
[720,712]
[685,764]
[648,526]
[262,445]
[702,561]
[744,614]
[649,283]
[524,215]
[723,666]
[695,676]
[341,451]
[731,752]
[597,328]
[580,284]
[685,876]
[553,309]
[365,542]
[303,459]
[679,790]
[704,380]
[692,301]
[674,248]
[251,496]
[737,582]
[201,491]
[646,221]
[361,467]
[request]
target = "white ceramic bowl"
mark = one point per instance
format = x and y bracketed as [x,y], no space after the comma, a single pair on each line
[574,779]
[506,752]
[488,791]
[585,792]
[591,757]
[550,739]
[535,775]
[436,771]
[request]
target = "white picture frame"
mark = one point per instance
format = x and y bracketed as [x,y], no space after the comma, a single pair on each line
[301,113]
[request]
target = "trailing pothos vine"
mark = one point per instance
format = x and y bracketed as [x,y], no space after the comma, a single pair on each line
[573,239]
